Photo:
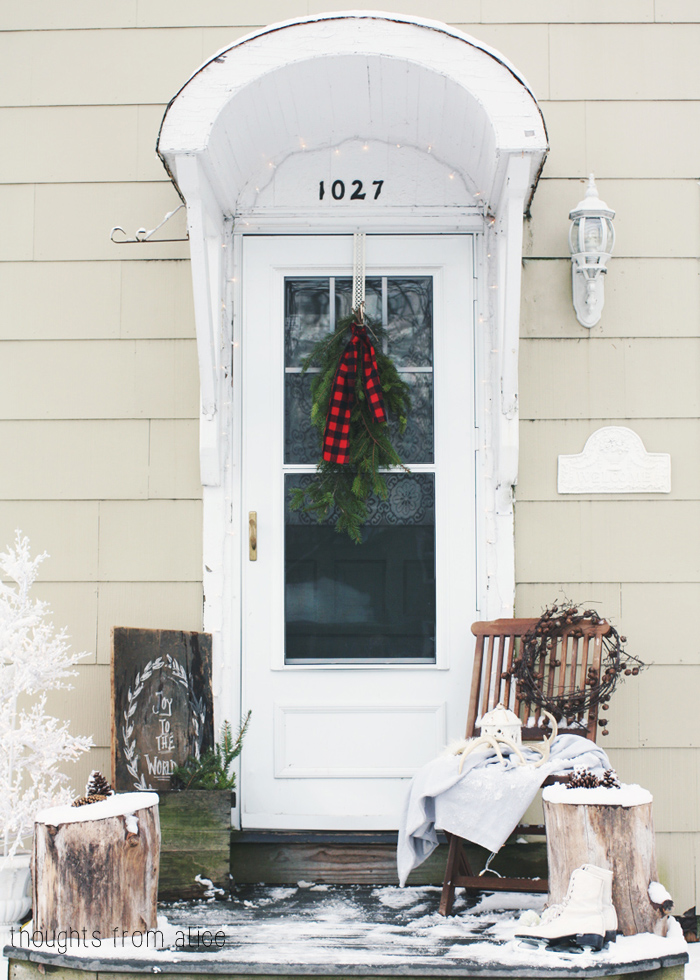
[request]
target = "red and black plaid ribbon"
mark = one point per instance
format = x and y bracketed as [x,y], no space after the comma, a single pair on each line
[359,353]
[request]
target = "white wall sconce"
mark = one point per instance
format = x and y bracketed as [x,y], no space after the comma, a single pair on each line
[591,240]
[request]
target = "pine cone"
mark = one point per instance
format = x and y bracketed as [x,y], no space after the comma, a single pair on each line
[610,780]
[97,785]
[90,798]
[582,779]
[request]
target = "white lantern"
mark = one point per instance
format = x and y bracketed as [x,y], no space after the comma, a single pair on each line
[591,240]
[501,722]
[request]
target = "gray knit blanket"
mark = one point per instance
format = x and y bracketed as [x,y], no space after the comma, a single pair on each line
[484,803]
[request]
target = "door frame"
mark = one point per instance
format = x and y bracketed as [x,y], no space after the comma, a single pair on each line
[223,525]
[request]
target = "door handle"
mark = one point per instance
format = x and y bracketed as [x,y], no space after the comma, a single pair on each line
[253,535]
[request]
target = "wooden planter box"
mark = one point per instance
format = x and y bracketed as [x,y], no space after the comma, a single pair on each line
[195,827]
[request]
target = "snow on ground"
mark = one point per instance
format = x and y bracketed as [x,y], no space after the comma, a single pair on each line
[626,949]
[400,898]
[692,968]
[509,902]
[358,926]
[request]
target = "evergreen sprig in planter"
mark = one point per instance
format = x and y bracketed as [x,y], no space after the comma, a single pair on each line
[195,822]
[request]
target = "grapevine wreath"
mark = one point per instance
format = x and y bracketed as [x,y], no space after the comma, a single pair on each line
[616,664]
[357,386]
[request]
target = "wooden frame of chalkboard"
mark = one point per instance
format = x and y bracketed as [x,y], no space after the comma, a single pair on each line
[162,706]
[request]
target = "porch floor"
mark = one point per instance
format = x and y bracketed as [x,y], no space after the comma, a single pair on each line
[354,930]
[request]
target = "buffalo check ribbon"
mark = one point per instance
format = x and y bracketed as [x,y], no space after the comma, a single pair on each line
[359,354]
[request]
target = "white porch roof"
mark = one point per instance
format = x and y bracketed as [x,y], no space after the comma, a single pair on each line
[309,83]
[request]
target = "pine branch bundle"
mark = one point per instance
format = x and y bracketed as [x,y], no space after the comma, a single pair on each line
[212,770]
[347,487]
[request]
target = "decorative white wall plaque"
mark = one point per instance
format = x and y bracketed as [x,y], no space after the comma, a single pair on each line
[614,460]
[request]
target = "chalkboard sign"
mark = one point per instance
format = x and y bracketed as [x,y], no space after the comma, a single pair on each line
[161,702]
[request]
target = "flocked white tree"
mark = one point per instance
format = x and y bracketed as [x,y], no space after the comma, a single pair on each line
[34,658]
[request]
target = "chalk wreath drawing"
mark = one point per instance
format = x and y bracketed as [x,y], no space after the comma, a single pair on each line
[197,706]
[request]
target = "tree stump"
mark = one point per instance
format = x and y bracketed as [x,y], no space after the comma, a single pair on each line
[617,837]
[95,867]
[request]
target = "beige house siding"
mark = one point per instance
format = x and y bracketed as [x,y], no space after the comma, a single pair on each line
[98,373]
[100,404]
[636,556]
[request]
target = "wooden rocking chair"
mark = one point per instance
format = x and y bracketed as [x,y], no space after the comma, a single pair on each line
[565,669]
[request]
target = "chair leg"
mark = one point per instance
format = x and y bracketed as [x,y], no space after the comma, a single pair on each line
[457,865]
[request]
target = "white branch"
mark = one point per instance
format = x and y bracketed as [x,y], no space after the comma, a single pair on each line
[34,658]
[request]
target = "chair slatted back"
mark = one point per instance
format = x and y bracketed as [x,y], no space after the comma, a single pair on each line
[565,668]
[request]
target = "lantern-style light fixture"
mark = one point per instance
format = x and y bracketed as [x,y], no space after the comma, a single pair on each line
[591,240]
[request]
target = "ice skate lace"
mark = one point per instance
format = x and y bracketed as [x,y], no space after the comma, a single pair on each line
[554,911]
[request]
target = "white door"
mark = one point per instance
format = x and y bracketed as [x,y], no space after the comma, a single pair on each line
[356,658]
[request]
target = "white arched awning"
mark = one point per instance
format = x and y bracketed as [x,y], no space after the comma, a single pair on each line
[318,81]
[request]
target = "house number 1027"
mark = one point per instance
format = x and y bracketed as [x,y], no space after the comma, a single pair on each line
[337,190]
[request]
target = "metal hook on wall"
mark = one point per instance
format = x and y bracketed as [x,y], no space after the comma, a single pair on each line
[142,235]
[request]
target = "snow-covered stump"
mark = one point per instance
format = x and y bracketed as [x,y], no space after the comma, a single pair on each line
[95,867]
[610,828]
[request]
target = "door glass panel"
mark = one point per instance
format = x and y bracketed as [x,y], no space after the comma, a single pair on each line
[367,603]
[373,603]
[302,442]
[416,444]
[409,321]
[403,305]
[306,317]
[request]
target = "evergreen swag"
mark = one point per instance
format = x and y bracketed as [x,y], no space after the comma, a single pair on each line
[347,487]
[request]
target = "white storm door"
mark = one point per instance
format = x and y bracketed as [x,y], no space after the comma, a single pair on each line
[356,658]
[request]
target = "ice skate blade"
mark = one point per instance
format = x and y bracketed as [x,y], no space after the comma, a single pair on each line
[575,943]
[530,943]
[550,946]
